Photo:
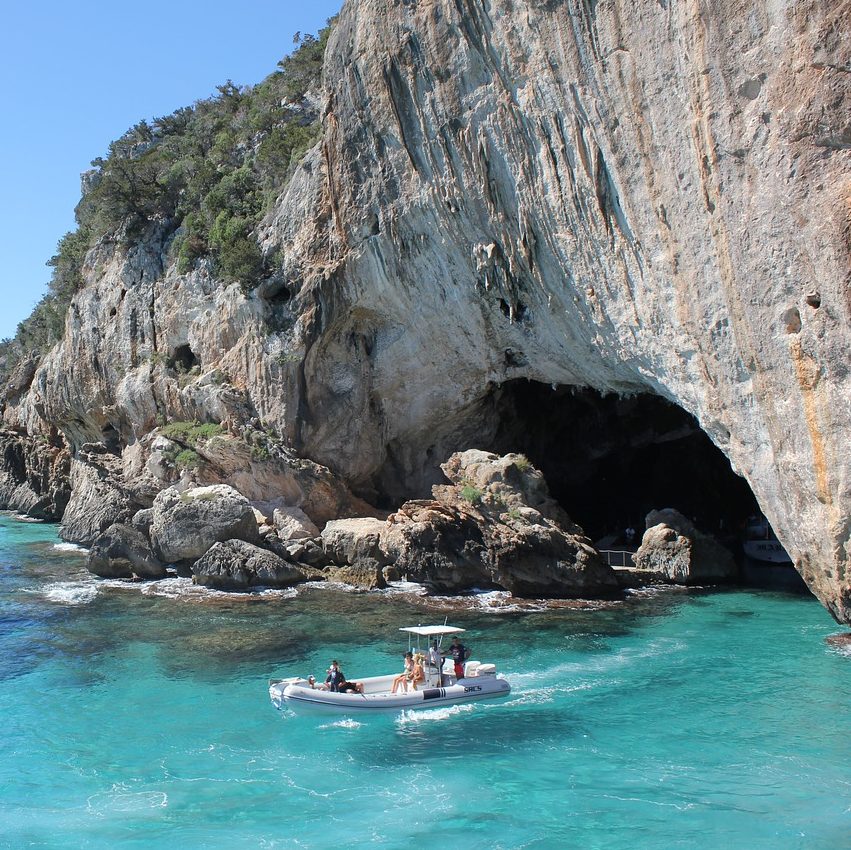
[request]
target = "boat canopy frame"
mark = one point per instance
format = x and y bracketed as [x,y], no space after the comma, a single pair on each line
[427,632]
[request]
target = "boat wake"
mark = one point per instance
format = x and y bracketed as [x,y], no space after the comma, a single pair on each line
[410,718]
[345,723]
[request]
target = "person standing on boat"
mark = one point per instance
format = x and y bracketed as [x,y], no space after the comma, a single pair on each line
[435,659]
[459,656]
[335,677]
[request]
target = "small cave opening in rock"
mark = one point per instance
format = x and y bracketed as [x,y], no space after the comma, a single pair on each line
[182,359]
[111,438]
[609,460]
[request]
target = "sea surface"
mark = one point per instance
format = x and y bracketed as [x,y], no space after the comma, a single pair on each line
[138,716]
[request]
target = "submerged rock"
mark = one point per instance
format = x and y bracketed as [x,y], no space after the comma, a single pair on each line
[123,552]
[186,524]
[237,565]
[673,549]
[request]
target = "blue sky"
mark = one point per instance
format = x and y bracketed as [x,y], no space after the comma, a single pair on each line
[79,74]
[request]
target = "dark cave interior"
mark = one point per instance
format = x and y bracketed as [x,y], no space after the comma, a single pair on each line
[609,460]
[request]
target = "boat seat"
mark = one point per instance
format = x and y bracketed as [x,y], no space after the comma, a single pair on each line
[471,668]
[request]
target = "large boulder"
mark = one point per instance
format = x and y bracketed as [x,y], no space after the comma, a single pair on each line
[142,521]
[186,524]
[123,552]
[237,565]
[293,524]
[494,525]
[674,550]
[350,541]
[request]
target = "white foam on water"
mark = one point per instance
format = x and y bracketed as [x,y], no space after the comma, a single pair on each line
[410,717]
[404,587]
[71,592]
[24,518]
[183,588]
[345,723]
[596,665]
[538,696]
[70,547]
[657,589]
[120,800]
[175,587]
[332,585]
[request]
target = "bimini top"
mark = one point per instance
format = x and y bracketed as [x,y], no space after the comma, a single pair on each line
[432,630]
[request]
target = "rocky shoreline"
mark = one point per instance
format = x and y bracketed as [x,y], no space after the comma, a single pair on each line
[492,526]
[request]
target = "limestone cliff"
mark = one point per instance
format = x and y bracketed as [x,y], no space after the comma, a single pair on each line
[646,197]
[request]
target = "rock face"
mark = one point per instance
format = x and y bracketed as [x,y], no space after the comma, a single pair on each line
[98,497]
[186,524]
[237,565]
[123,552]
[33,477]
[635,198]
[675,550]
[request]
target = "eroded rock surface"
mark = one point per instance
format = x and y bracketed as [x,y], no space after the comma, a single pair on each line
[34,476]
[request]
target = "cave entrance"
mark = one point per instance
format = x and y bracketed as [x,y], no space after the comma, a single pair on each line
[609,460]
[182,359]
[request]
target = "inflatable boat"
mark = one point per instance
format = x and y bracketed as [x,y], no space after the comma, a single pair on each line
[440,687]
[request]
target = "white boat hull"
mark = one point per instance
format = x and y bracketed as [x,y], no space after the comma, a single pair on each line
[769,551]
[296,694]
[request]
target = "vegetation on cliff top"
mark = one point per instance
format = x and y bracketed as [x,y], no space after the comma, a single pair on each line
[202,176]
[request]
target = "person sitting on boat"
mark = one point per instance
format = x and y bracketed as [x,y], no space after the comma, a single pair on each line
[335,677]
[459,655]
[418,673]
[405,676]
[435,660]
[347,687]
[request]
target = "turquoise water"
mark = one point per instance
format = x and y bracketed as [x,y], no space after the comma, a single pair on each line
[139,717]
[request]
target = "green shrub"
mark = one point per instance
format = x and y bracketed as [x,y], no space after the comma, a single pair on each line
[191,433]
[187,459]
[471,494]
[522,463]
[259,451]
